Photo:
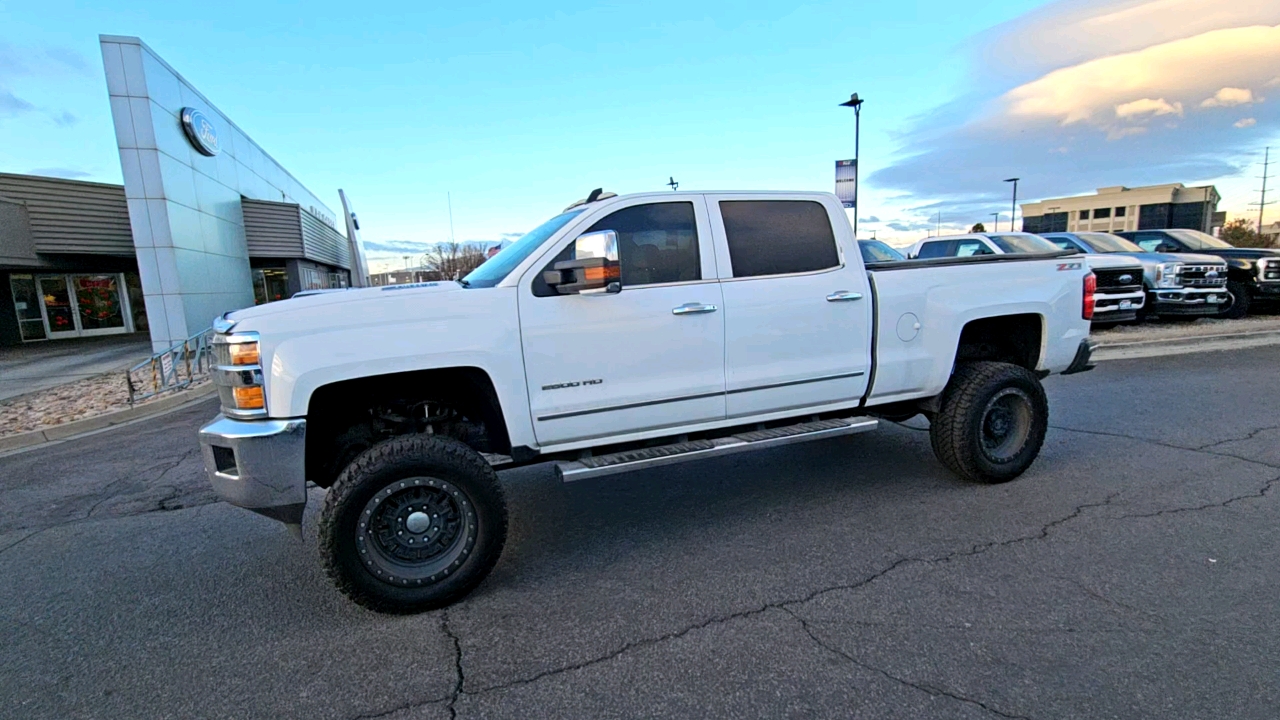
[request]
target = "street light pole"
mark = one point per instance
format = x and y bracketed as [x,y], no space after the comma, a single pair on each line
[1013,214]
[856,103]
[996,222]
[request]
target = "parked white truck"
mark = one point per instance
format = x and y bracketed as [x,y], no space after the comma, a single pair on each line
[626,332]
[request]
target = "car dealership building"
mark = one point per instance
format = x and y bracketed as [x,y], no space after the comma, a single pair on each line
[205,222]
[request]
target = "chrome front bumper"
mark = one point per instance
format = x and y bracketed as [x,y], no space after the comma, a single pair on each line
[1188,301]
[258,464]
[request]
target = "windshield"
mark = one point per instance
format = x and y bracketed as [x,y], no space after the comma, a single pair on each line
[1108,243]
[499,266]
[876,251]
[1197,240]
[1023,244]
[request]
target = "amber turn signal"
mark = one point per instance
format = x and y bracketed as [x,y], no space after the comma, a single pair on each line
[249,398]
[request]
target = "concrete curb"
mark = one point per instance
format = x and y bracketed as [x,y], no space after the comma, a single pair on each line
[99,422]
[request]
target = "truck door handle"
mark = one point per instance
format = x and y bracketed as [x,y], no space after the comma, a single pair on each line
[693,309]
[843,296]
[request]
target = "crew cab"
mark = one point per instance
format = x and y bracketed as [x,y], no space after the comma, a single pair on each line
[1119,297]
[623,333]
[1253,274]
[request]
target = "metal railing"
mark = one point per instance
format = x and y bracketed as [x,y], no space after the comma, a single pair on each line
[172,369]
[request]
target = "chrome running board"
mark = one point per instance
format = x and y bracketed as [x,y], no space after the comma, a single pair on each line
[629,460]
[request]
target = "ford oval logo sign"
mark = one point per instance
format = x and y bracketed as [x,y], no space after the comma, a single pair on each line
[1125,279]
[201,132]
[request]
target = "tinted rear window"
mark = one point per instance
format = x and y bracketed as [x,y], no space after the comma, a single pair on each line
[940,248]
[777,237]
[1023,244]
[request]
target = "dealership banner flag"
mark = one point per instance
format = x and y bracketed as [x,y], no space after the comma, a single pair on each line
[847,182]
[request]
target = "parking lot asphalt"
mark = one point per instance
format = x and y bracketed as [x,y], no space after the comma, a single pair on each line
[1131,573]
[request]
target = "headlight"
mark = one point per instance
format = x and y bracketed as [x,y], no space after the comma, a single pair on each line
[1167,275]
[244,353]
[238,374]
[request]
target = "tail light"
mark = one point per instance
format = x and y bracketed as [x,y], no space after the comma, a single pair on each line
[1090,287]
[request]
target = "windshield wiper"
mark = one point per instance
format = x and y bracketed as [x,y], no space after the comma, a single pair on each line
[463,283]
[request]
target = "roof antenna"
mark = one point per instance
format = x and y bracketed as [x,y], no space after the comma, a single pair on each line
[595,195]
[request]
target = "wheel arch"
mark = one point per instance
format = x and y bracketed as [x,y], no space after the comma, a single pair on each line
[1017,339]
[335,408]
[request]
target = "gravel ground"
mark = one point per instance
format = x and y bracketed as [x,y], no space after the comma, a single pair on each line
[66,403]
[1170,329]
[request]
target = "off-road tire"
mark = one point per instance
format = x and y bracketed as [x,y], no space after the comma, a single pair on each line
[957,430]
[1239,306]
[458,475]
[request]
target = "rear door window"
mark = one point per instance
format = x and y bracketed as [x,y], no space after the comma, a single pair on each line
[937,249]
[778,237]
[969,248]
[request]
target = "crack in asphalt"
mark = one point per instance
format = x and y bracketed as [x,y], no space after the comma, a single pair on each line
[978,549]
[783,604]
[1250,436]
[23,539]
[927,689]
[1208,506]
[454,694]
[459,676]
[105,495]
[1174,446]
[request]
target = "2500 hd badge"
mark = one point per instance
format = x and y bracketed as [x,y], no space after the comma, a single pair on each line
[576,383]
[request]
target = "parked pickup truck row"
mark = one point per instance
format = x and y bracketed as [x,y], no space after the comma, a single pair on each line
[1165,272]
[623,333]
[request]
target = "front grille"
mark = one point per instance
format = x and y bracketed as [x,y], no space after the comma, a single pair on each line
[1203,275]
[1121,280]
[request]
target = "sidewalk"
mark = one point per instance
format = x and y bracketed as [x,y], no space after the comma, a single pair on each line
[36,366]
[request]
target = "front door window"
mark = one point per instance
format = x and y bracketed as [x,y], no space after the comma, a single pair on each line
[59,313]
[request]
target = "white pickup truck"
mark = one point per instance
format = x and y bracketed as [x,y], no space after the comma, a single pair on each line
[625,332]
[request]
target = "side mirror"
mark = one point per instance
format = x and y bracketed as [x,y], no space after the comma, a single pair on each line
[595,266]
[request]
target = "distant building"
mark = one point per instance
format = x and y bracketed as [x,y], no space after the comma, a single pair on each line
[403,277]
[1272,232]
[1153,207]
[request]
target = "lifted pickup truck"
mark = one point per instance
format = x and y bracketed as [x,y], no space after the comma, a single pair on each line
[625,332]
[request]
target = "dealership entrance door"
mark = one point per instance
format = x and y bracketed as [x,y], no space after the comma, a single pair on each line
[68,306]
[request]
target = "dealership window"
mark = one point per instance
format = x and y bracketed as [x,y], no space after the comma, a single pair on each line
[269,285]
[53,306]
[1101,213]
[1084,214]
[776,237]
[1120,211]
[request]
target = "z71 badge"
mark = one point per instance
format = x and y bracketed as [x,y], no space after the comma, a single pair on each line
[576,383]
[1068,266]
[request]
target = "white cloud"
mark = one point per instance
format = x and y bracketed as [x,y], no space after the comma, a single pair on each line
[1176,71]
[1070,32]
[1245,122]
[1079,81]
[1147,106]
[1230,97]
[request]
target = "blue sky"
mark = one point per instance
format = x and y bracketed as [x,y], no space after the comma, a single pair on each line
[518,109]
